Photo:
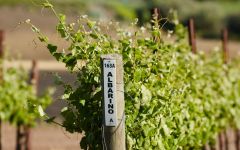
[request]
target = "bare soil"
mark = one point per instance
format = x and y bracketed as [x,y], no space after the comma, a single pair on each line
[20,41]
[43,137]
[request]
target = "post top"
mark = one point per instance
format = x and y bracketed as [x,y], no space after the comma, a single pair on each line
[111,56]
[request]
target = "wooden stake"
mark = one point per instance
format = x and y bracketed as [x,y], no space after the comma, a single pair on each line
[1,42]
[1,76]
[217,144]
[18,145]
[155,21]
[225,45]
[27,143]
[34,81]
[192,35]
[34,75]
[155,13]
[237,140]
[20,138]
[206,147]
[222,141]
[226,139]
[114,136]
[0,134]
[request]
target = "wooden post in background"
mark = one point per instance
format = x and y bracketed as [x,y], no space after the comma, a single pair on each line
[20,138]
[113,136]
[237,140]
[1,76]
[27,143]
[224,44]
[1,42]
[223,137]
[222,141]
[155,13]
[206,147]
[34,77]
[192,35]
[24,132]
[155,21]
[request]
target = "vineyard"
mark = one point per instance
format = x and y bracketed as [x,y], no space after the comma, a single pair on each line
[173,96]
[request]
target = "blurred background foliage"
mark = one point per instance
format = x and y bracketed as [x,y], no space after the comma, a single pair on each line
[210,15]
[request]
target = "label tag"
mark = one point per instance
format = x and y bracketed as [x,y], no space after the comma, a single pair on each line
[109,79]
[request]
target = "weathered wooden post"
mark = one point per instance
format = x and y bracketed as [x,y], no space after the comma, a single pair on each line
[237,140]
[226,59]
[155,22]
[24,132]
[155,13]
[20,138]
[192,35]
[1,76]
[223,139]
[113,102]
[225,45]
[34,81]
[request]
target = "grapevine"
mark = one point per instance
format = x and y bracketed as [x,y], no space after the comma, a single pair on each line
[173,99]
[19,104]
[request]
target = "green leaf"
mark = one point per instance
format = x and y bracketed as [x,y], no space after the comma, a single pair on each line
[52,48]
[91,24]
[62,18]
[93,35]
[70,62]
[61,28]
[82,102]
[64,109]
[40,110]
[43,39]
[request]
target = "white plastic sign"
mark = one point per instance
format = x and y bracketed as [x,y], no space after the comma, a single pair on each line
[109,79]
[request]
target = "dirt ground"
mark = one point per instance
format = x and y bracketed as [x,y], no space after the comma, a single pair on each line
[21,42]
[43,137]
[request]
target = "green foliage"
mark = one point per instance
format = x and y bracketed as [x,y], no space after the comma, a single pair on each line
[19,104]
[174,99]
